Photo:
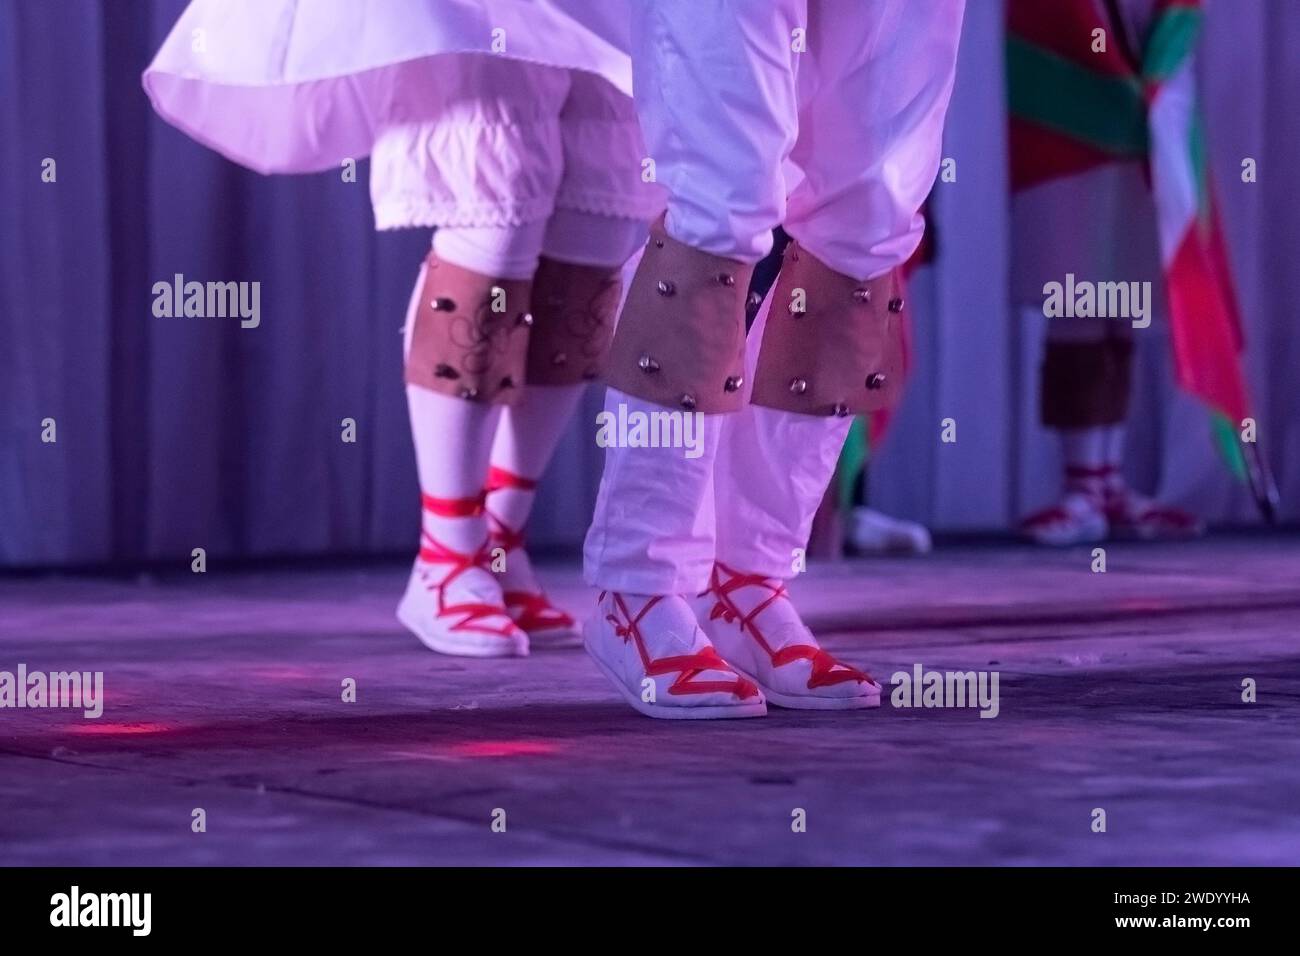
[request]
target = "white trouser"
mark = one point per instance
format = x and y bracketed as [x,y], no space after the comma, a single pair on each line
[841,143]
[749,499]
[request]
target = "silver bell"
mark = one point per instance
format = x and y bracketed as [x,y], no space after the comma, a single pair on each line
[665,287]
[876,380]
[647,364]
[798,386]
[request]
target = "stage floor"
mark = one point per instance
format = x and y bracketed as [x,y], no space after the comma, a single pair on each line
[1120,691]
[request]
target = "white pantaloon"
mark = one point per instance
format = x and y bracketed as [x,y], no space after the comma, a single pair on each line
[826,116]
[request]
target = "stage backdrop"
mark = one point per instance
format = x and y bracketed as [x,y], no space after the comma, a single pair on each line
[177,433]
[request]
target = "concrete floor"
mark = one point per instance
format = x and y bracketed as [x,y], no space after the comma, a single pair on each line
[1119,691]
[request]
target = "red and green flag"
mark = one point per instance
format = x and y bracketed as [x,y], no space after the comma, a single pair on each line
[1075,106]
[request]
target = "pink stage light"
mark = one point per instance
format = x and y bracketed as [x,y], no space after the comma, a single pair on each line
[122,729]
[503,748]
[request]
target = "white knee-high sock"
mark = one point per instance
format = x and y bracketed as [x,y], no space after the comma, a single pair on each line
[453,437]
[526,438]
[453,444]
[530,430]
[1085,455]
[1115,437]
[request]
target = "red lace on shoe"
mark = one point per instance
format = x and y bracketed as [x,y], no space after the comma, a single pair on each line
[826,670]
[501,534]
[686,666]
[533,611]
[433,551]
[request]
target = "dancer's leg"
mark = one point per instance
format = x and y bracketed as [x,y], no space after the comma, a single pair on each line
[651,539]
[678,349]
[602,207]
[1084,386]
[454,601]
[873,95]
[1133,515]
[574,301]
[468,326]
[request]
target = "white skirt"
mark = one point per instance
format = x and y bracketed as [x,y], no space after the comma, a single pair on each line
[295,86]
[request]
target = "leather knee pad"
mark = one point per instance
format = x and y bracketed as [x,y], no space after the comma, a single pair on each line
[832,345]
[1086,384]
[573,310]
[470,338]
[680,341]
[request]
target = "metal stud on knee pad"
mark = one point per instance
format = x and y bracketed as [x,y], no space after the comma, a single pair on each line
[838,349]
[573,309]
[470,338]
[681,337]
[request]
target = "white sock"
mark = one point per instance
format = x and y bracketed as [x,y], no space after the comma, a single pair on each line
[1115,435]
[453,437]
[453,443]
[1084,451]
[526,438]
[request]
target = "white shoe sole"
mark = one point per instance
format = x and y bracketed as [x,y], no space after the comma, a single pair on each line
[462,644]
[801,702]
[714,712]
[797,701]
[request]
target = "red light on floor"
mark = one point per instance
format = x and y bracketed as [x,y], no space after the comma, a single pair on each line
[502,748]
[122,729]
